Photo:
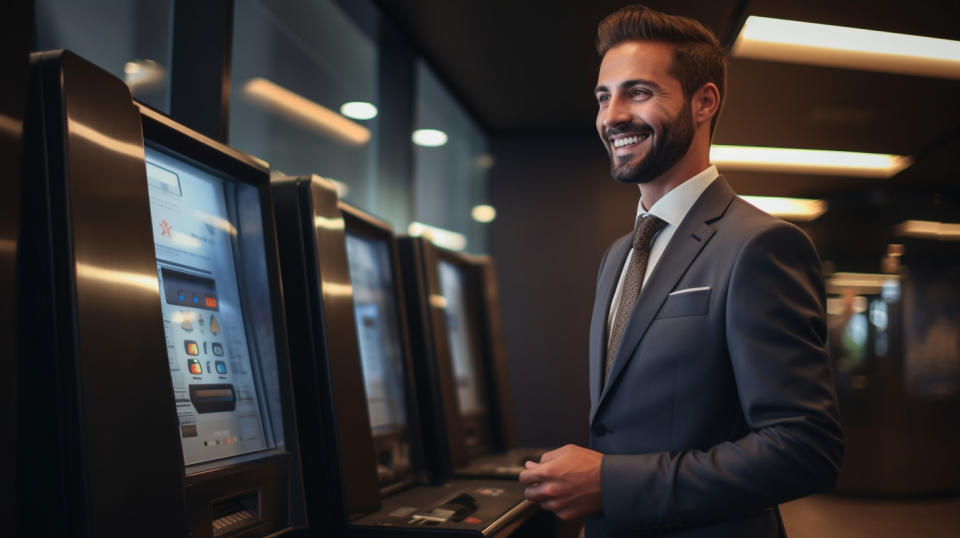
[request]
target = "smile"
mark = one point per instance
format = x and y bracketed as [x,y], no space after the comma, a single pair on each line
[626,141]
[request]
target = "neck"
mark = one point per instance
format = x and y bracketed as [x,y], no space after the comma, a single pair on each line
[693,162]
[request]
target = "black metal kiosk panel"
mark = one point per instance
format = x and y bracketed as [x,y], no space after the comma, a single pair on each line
[162,406]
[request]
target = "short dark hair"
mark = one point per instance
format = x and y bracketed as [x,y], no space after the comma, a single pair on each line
[698,57]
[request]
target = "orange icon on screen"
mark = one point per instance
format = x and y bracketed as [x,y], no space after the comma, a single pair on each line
[191,347]
[211,302]
[194,366]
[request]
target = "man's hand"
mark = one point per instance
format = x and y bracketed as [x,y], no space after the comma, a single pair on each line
[566,481]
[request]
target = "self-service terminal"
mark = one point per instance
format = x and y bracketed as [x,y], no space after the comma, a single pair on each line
[458,333]
[348,342]
[159,402]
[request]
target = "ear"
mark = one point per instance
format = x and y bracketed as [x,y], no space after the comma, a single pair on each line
[706,103]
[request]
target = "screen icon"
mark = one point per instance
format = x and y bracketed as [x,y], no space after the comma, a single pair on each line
[187,323]
[214,325]
[194,366]
[191,347]
[218,349]
[221,367]
[210,302]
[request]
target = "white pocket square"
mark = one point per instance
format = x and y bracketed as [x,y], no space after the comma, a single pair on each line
[689,290]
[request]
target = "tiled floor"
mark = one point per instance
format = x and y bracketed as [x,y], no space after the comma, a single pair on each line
[827,516]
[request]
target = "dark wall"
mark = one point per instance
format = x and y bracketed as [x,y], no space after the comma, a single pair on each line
[557,212]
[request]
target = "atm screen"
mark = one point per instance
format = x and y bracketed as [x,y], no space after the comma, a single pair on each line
[214,381]
[462,351]
[381,352]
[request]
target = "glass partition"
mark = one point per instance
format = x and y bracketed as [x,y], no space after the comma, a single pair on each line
[129,38]
[297,66]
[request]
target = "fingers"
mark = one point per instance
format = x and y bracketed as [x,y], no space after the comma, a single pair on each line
[532,474]
[540,493]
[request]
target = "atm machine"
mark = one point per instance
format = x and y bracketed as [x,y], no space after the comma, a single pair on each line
[457,330]
[352,374]
[158,400]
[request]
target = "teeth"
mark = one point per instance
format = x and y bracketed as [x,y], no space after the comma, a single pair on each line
[620,142]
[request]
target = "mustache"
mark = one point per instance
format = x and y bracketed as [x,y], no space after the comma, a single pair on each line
[638,127]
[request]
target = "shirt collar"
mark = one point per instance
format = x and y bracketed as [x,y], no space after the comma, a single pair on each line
[674,206]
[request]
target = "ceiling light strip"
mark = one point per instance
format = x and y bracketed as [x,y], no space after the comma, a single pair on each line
[310,114]
[926,229]
[796,209]
[782,40]
[807,161]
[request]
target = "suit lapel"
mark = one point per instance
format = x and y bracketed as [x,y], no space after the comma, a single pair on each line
[688,241]
[606,286]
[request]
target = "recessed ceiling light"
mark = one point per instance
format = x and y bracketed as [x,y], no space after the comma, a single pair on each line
[438,236]
[310,114]
[429,138]
[926,229]
[483,213]
[359,110]
[808,161]
[852,48]
[798,209]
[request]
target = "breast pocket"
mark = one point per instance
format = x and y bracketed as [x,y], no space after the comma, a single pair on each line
[685,303]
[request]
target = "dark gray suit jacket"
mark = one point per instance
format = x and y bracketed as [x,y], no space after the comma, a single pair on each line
[721,402]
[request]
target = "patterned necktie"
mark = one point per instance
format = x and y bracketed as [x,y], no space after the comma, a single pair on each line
[646,229]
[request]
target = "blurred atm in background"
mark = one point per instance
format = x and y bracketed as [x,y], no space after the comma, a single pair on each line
[156,395]
[455,324]
[352,374]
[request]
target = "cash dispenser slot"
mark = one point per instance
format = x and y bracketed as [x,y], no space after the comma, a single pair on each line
[236,513]
[213,398]
[456,508]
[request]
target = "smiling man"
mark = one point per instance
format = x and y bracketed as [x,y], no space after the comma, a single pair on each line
[712,399]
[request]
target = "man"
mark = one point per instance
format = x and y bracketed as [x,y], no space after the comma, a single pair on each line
[712,399]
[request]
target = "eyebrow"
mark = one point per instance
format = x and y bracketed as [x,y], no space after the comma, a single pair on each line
[629,83]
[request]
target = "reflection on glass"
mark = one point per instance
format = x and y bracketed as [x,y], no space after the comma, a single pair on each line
[451,162]
[381,353]
[466,369]
[294,65]
[214,380]
[128,38]
[932,336]
[858,335]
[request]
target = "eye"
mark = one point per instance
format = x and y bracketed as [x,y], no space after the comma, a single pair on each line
[603,97]
[641,93]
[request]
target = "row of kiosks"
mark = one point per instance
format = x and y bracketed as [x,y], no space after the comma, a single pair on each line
[457,329]
[350,337]
[172,391]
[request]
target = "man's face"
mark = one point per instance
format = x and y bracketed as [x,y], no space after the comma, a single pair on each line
[644,120]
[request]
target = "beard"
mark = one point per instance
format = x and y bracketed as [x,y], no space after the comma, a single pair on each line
[667,146]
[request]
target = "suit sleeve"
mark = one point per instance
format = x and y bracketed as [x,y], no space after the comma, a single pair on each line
[775,331]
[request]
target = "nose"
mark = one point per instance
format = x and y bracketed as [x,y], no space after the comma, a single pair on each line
[615,113]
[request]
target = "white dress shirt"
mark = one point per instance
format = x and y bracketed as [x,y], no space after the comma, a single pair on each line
[671,208]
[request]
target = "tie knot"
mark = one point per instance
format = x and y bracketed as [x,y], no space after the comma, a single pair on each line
[647,227]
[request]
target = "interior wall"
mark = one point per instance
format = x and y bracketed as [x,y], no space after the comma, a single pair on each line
[557,212]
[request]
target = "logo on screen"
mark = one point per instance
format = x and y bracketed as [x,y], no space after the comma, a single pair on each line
[218,349]
[194,366]
[221,367]
[191,347]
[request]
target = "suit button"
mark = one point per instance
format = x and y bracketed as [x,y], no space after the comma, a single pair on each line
[599,429]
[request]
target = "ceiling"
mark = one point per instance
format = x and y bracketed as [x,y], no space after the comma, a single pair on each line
[530,66]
